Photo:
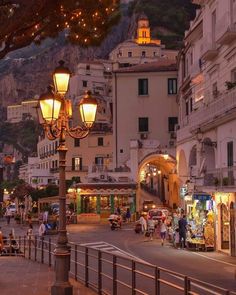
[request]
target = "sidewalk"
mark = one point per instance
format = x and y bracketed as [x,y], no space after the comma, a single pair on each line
[20,276]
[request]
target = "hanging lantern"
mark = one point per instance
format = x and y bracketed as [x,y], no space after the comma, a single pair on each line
[50,106]
[88,109]
[61,77]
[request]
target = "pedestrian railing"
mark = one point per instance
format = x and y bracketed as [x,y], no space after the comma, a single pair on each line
[107,273]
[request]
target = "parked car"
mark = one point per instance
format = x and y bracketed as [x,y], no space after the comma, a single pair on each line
[12,209]
[158,214]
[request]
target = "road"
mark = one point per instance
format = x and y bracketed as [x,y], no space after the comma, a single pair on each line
[212,267]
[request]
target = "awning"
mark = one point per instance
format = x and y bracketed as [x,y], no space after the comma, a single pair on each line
[201,197]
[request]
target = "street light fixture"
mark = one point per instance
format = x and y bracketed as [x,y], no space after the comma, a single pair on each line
[56,112]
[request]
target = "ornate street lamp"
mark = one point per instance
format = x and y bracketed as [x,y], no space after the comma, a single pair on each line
[55,115]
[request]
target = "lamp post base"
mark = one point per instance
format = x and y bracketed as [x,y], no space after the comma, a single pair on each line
[62,289]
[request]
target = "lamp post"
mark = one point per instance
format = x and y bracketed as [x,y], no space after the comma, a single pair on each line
[55,115]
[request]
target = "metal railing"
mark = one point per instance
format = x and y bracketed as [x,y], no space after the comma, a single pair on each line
[107,273]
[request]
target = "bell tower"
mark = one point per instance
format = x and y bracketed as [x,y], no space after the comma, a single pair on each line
[143,31]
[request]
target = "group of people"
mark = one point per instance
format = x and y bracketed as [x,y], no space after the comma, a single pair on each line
[8,245]
[163,227]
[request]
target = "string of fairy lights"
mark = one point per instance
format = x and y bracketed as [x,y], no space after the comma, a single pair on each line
[85,22]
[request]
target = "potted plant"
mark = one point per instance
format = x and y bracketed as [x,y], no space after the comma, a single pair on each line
[216,181]
[225,180]
[229,85]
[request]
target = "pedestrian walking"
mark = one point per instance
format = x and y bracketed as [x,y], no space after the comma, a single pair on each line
[143,223]
[29,234]
[151,228]
[163,231]
[8,215]
[182,231]
[42,232]
[128,215]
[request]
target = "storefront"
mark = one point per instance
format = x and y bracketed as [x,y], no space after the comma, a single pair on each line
[96,201]
[226,222]
[201,220]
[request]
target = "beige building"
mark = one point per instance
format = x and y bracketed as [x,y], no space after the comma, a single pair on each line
[141,49]
[25,110]
[206,138]
[145,116]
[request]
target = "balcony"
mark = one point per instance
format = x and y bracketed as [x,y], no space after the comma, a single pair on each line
[76,168]
[217,108]
[101,128]
[209,49]
[54,170]
[221,178]
[226,32]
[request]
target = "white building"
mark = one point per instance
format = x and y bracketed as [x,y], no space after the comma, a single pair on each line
[141,49]
[34,174]
[23,111]
[206,139]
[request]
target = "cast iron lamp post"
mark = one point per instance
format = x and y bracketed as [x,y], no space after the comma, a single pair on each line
[56,112]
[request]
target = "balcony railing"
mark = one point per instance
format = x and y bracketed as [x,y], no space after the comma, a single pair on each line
[208,113]
[221,177]
[226,31]
[209,48]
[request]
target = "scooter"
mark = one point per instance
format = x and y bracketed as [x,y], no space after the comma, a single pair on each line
[114,224]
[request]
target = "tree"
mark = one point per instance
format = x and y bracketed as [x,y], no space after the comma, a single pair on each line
[85,22]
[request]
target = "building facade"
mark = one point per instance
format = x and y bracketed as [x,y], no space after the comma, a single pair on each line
[145,115]
[141,49]
[23,111]
[206,137]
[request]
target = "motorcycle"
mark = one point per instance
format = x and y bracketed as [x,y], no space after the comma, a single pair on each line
[114,224]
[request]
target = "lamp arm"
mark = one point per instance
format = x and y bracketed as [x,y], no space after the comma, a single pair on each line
[52,131]
[78,132]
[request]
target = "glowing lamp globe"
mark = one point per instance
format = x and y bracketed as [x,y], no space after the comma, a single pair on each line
[88,109]
[50,106]
[61,77]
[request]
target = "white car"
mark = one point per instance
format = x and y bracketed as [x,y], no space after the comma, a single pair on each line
[12,209]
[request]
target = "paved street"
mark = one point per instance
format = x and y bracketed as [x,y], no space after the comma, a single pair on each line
[205,266]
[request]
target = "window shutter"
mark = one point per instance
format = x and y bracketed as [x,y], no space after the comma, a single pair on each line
[73,163]
[80,164]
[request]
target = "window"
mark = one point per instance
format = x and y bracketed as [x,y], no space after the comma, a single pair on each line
[186,108]
[233,76]
[172,86]
[100,141]
[121,151]
[88,67]
[214,90]
[230,153]
[143,53]
[129,54]
[85,83]
[76,142]
[77,164]
[99,160]
[143,124]
[142,86]
[172,121]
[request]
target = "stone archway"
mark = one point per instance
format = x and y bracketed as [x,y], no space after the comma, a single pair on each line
[157,176]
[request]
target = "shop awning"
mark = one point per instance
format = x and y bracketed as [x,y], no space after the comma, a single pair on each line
[202,197]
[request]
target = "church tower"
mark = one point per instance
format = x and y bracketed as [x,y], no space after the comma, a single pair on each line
[143,31]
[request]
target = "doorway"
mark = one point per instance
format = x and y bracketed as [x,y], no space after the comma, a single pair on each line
[232,229]
[225,228]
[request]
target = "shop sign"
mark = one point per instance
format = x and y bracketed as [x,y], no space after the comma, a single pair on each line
[202,197]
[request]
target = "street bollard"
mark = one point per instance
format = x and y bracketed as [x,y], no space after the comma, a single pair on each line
[157,281]
[114,275]
[187,286]
[24,245]
[42,249]
[76,258]
[133,278]
[35,248]
[99,272]
[29,247]
[86,268]
[49,252]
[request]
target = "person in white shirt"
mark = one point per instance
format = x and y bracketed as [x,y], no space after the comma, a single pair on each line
[143,223]
[42,231]
[163,231]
